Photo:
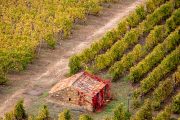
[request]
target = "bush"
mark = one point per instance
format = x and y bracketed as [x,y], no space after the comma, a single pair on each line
[144,113]
[122,27]
[3,78]
[164,89]
[9,116]
[105,60]
[107,118]
[154,57]
[85,117]
[50,41]
[136,103]
[65,115]
[43,113]
[120,113]
[164,115]
[135,17]
[53,17]
[75,64]
[156,36]
[31,118]
[19,111]
[126,62]
[64,24]
[132,37]
[176,76]
[136,100]
[150,6]
[168,64]
[92,7]
[176,104]
[173,22]
[111,37]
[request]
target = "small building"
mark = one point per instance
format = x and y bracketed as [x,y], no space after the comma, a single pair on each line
[83,89]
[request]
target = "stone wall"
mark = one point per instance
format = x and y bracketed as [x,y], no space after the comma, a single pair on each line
[70,95]
[67,95]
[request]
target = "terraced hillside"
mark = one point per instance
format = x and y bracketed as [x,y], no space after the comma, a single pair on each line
[144,50]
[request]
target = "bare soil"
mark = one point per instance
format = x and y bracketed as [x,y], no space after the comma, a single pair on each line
[50,66]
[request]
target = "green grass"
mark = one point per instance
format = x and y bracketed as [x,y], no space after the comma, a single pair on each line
[120,91]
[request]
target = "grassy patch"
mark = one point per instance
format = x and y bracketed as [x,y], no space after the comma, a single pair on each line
[120,91]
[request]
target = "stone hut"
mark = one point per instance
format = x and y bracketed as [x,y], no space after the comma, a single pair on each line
[83,89]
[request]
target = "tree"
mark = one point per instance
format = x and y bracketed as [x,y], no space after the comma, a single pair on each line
[43,113]
[19,111]
[65,115]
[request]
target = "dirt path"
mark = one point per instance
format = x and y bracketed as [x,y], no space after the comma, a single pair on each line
[52,65]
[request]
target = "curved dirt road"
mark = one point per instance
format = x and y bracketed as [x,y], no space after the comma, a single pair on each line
[52,65]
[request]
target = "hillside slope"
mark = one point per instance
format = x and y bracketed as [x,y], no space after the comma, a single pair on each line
[144,50]
[52,65]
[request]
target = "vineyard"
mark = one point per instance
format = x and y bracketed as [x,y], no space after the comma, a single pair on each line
[144,49]
[24,25]
[141,56]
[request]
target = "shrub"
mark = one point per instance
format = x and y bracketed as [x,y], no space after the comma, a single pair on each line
[85,117]
[136,100]
[155,36]
[43,113]
[150,6]
[176,104]
[122,27]
[115,53]
[154,57]
[107,118]
[120,113]
[10,116]
[177,3]
[3,78]
[50,41]
[176,76]
[111,37]
[164,115]
[135,17]
[164,89]
[136,103]
[31,118]
[64,24]
[29,25]
[92,7]
[126,62]
[19,111]
[65,115]
[144,113]
[105,60]
[173,22]
[74,64]
[168,64]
